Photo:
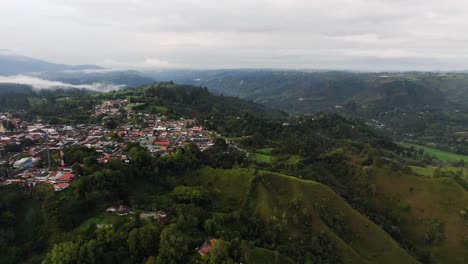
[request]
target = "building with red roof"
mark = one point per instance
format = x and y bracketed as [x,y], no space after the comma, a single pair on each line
[162,143]
[207,246]
[67,177]
[61,186]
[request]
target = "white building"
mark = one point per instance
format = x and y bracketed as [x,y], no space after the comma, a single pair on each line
[23,163]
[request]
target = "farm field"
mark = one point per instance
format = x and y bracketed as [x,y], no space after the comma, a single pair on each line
[263,155]
[439,154]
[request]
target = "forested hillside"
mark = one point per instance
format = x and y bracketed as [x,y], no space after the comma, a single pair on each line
[424,108]
[272,189]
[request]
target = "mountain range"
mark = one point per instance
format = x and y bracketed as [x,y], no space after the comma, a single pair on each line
[66,75]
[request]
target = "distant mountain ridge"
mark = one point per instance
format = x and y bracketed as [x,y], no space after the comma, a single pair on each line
[13,65]
[17,64]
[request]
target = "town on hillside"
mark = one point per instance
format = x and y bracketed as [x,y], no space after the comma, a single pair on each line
[42,160]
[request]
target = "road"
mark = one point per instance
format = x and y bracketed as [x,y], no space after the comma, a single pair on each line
[174,142]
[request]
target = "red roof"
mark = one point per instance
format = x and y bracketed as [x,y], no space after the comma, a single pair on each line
[162,143]
[206,248]
[67,177]
[61,185]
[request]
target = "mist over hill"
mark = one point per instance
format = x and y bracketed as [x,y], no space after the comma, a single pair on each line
[41,74]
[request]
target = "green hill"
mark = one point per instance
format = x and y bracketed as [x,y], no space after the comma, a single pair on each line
[297,213]
[426,210]
[308,208]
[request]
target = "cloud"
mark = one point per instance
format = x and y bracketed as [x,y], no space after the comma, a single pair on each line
[144,64]
[88,71]
[349,34]
[157,63]
[42,84]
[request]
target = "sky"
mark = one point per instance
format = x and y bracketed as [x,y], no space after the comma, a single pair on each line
[367,35]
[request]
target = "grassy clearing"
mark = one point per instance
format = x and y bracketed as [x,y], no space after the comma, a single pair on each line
[262,255]
[99,219]
[423,171]
[263,155]
[429,171]
[230,187]
[136,105]
[439,154]
[158,109]
[261,158]
[265,151]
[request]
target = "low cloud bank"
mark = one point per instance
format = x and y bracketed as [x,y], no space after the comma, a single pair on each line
[42,84]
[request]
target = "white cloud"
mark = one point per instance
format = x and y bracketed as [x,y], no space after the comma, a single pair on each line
[144,64]
[42,84]
[157,63]
[242,33]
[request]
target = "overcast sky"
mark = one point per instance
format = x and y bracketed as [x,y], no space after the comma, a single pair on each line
[327,34]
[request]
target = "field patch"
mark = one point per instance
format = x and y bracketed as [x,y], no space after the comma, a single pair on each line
[263,155]
[437,153]
[101,219]
[229,187]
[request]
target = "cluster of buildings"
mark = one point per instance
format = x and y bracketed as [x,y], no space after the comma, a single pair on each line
[33,151]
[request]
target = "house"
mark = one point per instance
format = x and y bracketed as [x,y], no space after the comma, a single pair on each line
[23,163]
[54,175]
[207,246]
[162,217]
[119,210]
[197,129]
[61,186]
[104,159]
[162,144]
[67,177]
[5,139]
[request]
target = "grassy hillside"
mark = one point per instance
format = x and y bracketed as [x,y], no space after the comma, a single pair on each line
[230,187]
[262,255]
[426,210]
[309,208]
[305,213]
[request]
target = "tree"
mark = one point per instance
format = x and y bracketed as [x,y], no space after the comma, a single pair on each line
[186,194]
[174,246]
[220,253]
[144,242]
[90,252]
[63,253]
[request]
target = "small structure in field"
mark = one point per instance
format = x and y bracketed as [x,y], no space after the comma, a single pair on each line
[118,210]
[160,216]
[206,247]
